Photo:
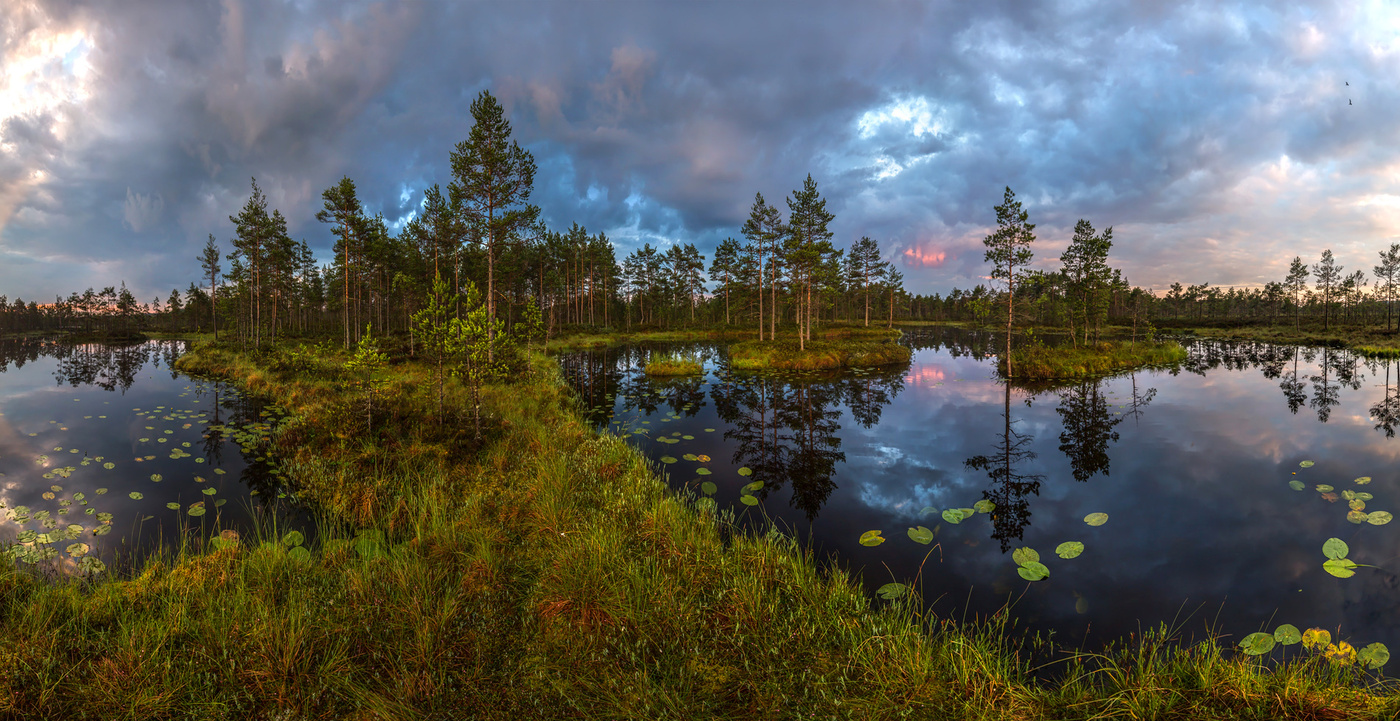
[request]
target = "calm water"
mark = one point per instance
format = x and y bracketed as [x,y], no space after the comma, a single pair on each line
[97,442]
[1192,465]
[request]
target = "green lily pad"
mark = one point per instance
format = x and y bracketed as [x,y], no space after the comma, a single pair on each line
[1324,488]
[927,510]
[920,535]
[196,510]
[109,465]
[102,530]
[745,471]
[1305,464]
[752,487]
[1287,634]
[708,488]
[156,478]
[173,506]
[871,538]
[891,591]
[1096,519]
[687,438]
[1257,644]
[1374,656]
[668,460]
[1022,556]
[1296,485]
[135,495]
[690,457]
[78,550]
[953,516]
[293,538]
[709,430]
[209,491]
[1378,518]
[1340,567]
[984,506]
[1033,571]
[1069,549]
[702,471]
[27,536]
[100,491]
[1335,548]
[1362,480]
[748,500]
[1357,517]
[1364,496]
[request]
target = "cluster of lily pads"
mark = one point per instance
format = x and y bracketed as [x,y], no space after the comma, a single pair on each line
[1356,500]
[33,546]
[1317,640]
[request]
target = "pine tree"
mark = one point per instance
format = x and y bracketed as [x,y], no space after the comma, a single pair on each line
[209,263]
[1387,275]
[1008,248]
[492,180]
[725,268]
[764,229]
[806,246]
[1296,281]
[342,208]
[864,268]
[1329,276]
[1085,268]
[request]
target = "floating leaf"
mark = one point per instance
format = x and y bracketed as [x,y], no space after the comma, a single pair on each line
[27,536]
[1329,497]
[703,458]
[920,535]
[1033,571]
[1096,519]
[668,460]
[1305,464]
[1342,652]
[1287,634]
[293,538]
[109,465]
[1340,567]
[1296,485]
[1069,549]
[690,457]
[927,510]
[984,506]
[1362,480]
[156,478]
[708,488]
[752,487]
[1374,656]
[1378,518]
[748,500]
[78,550]
[209,491]
[135,495]
[173,506]
[196,510]
[100,491]
[1357,517]
[1257,644]
[869,538]
[1324,488]
[1022,556]
[702,471]
[746,471]
[891,591]
[1335,548]
[953,515]
[102,530]
[1364,496]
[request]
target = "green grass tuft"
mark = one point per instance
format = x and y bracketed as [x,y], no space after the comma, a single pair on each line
[1040,362]
[672,364]
[785,354]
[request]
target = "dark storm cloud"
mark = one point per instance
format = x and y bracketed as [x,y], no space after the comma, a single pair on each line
[658,123]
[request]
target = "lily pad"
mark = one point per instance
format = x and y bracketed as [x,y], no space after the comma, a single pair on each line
[1069,549]
[953,515]
[78,550]
[1257,644]
[752,487]
[927,510]
[1316,639]
[1342,653]
[100,491]
[1378,518]
[1022,556]
[135,495]
[702,471]
[891,591]
[869,538]
[1362,480]
[1287,634]
[109,465]
[157,478]
[984,506]
[1305,464]
[708,488]
[293,538]
[173,506]
[1324,488]
[196,510]
[1296,485]
[1357,517]
[920,535]
[1096,519]
[745,471]
[1374,656]
[668,460]
[1340,567]
[748,500]
[1033,571]
[209,491]
[1335,548]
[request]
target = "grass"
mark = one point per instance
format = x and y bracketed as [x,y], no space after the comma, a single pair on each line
[784,353]
[1370,341]
[672,364]
[550,573]
[1039,362]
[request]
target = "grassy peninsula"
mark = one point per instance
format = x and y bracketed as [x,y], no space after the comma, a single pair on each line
[852,348]
[672,364]
[547,571]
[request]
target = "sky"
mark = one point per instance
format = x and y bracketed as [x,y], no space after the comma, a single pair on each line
[1219,140]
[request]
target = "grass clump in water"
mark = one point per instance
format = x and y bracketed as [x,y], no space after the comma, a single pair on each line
[1039,362]
[785,354]
[672,364]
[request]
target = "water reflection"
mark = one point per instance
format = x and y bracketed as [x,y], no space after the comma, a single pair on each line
[1009,487]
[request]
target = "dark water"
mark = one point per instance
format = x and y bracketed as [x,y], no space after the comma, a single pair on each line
[84,427]
[1192,466]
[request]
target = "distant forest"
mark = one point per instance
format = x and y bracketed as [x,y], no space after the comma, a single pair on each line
[482,237]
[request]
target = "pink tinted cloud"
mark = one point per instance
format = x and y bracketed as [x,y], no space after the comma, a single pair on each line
[924,257]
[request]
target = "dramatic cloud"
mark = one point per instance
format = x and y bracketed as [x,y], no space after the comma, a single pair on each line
[1218,140]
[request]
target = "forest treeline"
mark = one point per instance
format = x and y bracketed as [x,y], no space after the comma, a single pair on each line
[481,234]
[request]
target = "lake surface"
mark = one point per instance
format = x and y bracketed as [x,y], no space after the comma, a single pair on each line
[110,448]
[1192,466]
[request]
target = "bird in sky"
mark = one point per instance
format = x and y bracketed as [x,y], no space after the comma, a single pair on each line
[1348,101]
[1347,82]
